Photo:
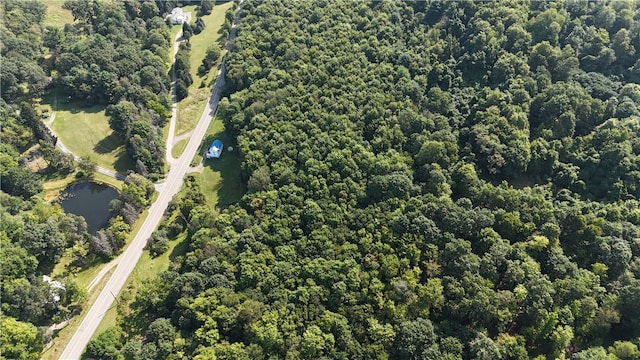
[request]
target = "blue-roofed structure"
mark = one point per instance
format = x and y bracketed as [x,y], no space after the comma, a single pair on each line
[215,149]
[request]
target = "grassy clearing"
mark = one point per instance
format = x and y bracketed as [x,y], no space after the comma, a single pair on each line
[84,277]
[179,147]
[53,184]
[209,36]
[191,9]
[56,15]
[175,29]
[110,319]
[105,179]
[37,164]
[190,109]
[86,132]
[220,179]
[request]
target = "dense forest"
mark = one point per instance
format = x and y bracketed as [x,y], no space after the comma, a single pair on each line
[426,180]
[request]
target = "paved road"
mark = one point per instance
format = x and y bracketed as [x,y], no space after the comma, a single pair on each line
[130,257]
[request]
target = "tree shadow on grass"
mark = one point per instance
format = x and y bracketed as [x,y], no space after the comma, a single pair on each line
[223,34]
[230,188]
[123,162]
[77,106]
[222,38]
[71,104]
[180,249]
[108,144]
[91,261]
[137,319]
[113,143]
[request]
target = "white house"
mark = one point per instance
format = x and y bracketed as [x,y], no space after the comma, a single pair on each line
[55,286]
[177,16]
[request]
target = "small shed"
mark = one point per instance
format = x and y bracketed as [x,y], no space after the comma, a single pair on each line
[215,149]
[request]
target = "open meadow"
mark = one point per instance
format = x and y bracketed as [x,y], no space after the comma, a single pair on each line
[56,15]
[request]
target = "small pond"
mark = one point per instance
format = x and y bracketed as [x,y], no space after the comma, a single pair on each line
[90,200]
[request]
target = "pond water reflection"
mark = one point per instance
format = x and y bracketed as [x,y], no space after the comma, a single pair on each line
[90,200]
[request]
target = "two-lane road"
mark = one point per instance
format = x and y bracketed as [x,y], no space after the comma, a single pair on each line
[130,257]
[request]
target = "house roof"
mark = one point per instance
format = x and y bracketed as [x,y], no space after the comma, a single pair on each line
[54,283]
[215,149]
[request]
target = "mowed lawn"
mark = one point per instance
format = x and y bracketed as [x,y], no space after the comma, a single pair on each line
[209,36]
[221,182]
[190,109]
[86,132]
[56,15]
[179,147]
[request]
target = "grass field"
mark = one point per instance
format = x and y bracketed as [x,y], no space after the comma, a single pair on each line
[56,15]
[209,36]
[190,109]
[179,147]
[175,29]
[86,132]
[53,185]
[83,277]
[220,179]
